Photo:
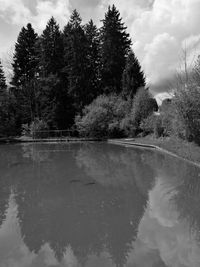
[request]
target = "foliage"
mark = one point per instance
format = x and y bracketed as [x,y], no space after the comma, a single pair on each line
[3,85]
[38,128]
[102,117]
[57,74]
[187,107]
[50,49]
[115,45]
[143,106]
[133,76]
[24,70]
[24,60]
[76,62]
[8,125]
[93,60]
[53,101]
[152,125]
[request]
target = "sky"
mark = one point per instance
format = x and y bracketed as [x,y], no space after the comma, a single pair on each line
[160,29]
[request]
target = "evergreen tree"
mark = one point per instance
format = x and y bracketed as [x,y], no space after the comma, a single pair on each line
[24,69]
[76,62]
[24,58]
[50,49]
[93,58]
[115,45]
[133,76]
[3,85]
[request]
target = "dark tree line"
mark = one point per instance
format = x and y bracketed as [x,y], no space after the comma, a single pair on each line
[59,72]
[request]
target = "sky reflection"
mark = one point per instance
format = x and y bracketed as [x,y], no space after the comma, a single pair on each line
[126,208]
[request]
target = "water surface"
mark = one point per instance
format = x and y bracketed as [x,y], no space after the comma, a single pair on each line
[96,205]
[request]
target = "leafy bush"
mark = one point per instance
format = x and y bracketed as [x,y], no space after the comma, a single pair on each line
[37,127]
[152,125]
[143,105]
[187,108]
[102,117]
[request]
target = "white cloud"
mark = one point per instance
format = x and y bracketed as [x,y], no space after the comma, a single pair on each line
[60,9]
[14,11]
[17,13]
[159,30]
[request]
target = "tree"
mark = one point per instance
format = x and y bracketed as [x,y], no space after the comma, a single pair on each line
[133,76]
[115,46]
[51,49]
[24,62]
[52,92]
[143,106]
[93,58]
[24,69]
[187,112]
[3,85]
[76,62]
[102,117]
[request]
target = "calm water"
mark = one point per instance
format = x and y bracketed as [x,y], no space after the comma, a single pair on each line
[97,205]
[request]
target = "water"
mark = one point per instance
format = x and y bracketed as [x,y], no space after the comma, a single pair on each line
[97,205]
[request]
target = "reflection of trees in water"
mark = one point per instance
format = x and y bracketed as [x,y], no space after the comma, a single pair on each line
[94,218]
[9,156]
[187,197]
[4,199]
[89,218]
[116,166]
[184,181]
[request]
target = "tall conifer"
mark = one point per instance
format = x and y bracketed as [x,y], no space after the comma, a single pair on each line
[133,76]
[3,85]
[115,45]
[24,69]
[75,57]
[93,58]
[50,51]
[24,61]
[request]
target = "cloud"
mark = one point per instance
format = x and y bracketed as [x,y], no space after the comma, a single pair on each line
[14,11]
[17,13]
[60,9]
[160,29]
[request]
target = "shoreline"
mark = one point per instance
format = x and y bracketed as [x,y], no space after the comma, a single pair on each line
[140,143]
[183,150]
[46,140]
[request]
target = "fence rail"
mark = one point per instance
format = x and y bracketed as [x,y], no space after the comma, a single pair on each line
[53,134]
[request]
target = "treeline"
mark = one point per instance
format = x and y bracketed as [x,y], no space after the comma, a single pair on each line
[57,74]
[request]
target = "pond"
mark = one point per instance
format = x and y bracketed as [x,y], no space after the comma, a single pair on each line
[97,205]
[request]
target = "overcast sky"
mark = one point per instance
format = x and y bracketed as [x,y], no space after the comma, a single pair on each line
[159,29]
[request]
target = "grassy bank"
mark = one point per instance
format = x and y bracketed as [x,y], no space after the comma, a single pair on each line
[186,150]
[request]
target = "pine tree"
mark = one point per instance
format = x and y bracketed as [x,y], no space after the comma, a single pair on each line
[24,69]
[93,58]
[75,57]
[115,45]
[50,49]
[3,85]
[133,76]
[24,58]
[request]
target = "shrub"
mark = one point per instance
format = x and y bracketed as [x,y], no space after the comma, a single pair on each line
[152,125]
[143,106]
[37,127]
[102,117]
[187,108]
